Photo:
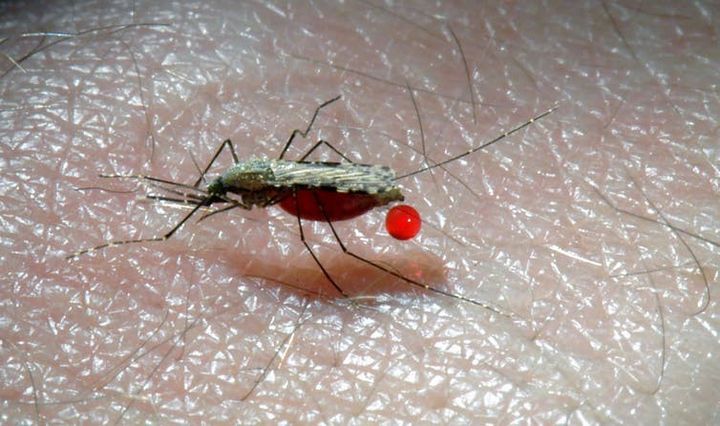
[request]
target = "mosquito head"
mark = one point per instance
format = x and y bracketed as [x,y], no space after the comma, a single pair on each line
[216,187]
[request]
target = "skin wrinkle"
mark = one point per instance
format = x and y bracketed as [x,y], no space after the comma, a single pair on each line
[180,330]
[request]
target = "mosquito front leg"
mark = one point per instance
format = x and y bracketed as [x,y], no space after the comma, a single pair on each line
[234,204]
[305,133]
[141,240]
[307,245]
[225,143]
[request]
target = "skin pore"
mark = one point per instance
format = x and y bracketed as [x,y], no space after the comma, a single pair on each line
[613,316]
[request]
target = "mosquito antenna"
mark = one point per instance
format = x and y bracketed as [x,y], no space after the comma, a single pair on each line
[479,147]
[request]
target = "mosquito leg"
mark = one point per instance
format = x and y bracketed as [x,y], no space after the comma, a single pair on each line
[195,163]
[312,253]
[402,277]
[229,144]
[305,133]
[141,240]
[481,146]
[276,199]
[234,205]
[326,143]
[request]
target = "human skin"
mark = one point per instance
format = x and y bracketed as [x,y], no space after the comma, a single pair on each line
[181,330]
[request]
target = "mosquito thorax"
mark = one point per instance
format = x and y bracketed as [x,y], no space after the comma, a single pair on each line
[251,175]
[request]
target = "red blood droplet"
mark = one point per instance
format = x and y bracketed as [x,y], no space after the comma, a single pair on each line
[403,222]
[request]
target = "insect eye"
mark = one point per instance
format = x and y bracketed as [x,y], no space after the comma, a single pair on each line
[216,187]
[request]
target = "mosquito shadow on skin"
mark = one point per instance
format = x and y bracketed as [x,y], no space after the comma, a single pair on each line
[353,276]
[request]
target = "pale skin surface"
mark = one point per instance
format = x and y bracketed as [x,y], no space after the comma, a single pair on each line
[181,330]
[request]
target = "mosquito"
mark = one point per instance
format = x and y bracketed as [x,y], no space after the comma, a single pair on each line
[309,190]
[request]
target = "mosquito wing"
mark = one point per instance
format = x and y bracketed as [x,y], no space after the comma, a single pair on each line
[343,177]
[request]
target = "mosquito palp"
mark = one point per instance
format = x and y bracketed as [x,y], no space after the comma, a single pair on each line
[171,200]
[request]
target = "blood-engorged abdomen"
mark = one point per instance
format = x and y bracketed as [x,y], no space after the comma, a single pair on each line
[336,205]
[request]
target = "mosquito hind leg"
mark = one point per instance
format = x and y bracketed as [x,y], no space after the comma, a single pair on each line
[326,143]
[312,253]
[229,144]
[402,277]
[307,130]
